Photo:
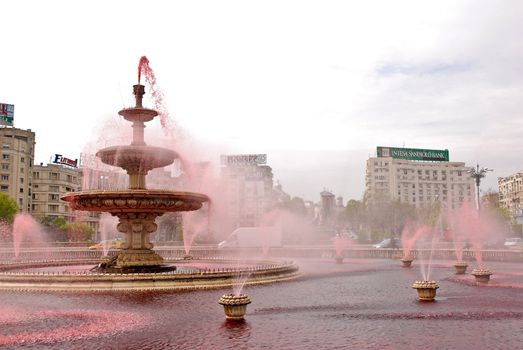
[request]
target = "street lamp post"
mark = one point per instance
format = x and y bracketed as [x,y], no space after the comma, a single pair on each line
[478,174]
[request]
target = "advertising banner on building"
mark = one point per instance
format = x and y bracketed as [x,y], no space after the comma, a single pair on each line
[244,159]
[7,113]
[59,159]
[432,155]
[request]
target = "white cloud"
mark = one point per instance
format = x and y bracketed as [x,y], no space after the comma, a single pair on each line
[283,77]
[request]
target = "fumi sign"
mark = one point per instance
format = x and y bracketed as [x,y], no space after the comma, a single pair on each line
[59,159]
[433,155]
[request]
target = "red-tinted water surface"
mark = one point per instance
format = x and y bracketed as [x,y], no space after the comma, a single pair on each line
[360,304]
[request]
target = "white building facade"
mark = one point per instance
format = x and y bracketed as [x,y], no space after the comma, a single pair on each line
[511,193]
[418,177]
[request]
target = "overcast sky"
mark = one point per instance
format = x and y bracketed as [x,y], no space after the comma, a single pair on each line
[316,85]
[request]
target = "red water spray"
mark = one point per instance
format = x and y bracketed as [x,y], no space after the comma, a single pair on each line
[145,69]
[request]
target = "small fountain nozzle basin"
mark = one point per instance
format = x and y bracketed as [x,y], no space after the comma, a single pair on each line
[426,290]
[234,306]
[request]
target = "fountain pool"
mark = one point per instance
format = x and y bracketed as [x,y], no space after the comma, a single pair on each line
[361,304]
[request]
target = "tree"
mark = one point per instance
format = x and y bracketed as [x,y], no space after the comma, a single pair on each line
[56,227]
[8,208]
[386,218]
[354,214]
[79,232]
[296,205]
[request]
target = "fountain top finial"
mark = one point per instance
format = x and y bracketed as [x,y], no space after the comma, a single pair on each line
[139,91]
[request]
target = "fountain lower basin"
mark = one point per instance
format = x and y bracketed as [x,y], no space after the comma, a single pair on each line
[134,201]
[196,274]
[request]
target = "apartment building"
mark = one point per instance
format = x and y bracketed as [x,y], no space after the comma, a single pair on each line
[50,183]
[16,165]
[511,193]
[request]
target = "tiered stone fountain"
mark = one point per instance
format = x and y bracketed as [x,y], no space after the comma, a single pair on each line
[136,266]
[137,207]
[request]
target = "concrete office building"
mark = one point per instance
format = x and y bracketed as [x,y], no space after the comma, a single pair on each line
[418,177]
[248,187]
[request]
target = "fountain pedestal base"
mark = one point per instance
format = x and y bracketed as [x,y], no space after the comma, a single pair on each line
[138,257]
[134,261]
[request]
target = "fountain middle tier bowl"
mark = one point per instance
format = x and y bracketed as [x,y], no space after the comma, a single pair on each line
[133,201]
[137,157]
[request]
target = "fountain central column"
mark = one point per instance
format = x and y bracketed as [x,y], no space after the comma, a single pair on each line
[137,249]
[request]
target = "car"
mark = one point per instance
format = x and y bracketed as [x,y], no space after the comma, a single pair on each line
[389,243]
[110,244]
[513,242]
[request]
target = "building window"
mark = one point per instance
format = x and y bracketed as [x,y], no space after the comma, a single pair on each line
[4,188]
[5,166]
[5,156]
[53,197]
[54,188]
[21,190]
[22,160]
[6,146]
[54,176]
[53,208]
[5,177]
[21,180]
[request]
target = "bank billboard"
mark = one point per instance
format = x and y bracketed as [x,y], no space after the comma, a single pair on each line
[7,114]
[432,155]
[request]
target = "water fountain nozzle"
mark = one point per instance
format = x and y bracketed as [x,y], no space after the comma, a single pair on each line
[139,91]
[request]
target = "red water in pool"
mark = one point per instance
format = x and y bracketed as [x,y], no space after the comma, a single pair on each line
[360,304]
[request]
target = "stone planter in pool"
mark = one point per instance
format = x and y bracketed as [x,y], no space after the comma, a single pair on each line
[460,267]
[481,275]
[234,306]
[406,261]
[426,290]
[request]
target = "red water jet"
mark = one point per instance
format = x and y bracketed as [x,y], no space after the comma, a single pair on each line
[145,69]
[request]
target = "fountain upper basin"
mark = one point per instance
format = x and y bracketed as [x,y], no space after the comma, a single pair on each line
[131,201]
[134,157]
[139,114]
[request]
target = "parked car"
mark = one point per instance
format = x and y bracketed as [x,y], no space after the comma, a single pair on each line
[389,243]
[513,242]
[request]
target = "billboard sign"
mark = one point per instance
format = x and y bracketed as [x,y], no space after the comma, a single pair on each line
[433,155]
[7,114]
[243,159]
[59,159]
